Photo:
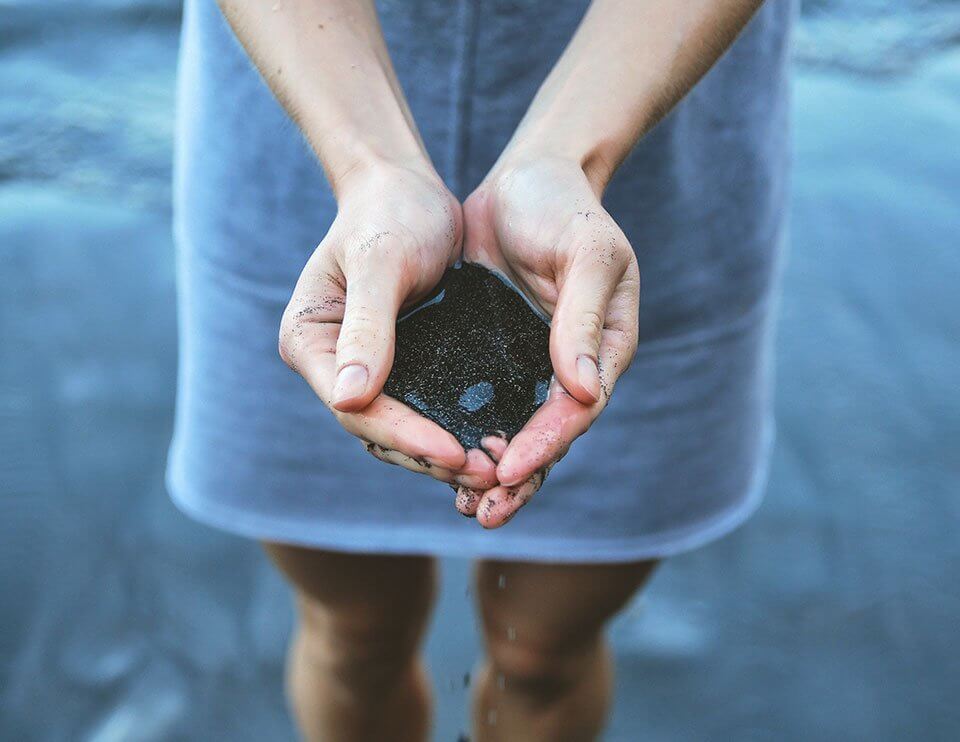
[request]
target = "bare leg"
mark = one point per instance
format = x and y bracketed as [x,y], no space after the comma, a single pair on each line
[353,670]
[549,673]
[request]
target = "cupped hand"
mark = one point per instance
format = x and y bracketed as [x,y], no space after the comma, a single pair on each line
[397,229]
[539,222]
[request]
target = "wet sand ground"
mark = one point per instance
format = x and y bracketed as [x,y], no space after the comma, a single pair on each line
[831,615]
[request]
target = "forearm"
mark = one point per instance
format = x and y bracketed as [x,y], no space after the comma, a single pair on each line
[327,64]
[628,64]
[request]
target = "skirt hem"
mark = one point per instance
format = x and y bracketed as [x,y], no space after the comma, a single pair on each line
[414,541]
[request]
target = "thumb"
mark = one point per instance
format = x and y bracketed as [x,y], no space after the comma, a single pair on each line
[366,341]
[577,326]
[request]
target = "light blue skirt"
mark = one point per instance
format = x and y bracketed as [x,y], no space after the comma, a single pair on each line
[679,457]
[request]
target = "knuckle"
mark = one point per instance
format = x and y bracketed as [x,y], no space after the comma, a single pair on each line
[324,266]
[324,253]
[362,319]
[285,351]
[633,341]
[361,334]
[285,342]
[604,245]
[617,255]
[621,248]
[367,249]
[629,339]
[591,323]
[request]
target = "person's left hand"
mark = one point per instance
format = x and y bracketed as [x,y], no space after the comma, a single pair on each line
[539,222]
[397,229]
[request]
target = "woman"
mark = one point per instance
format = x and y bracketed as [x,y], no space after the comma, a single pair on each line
[531,113]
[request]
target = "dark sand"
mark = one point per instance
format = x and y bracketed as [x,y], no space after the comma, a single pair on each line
[474,357]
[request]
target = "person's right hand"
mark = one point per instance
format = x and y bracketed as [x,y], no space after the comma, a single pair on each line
[538,220]
[397,229]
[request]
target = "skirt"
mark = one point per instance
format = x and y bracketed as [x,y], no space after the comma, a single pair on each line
[678,458]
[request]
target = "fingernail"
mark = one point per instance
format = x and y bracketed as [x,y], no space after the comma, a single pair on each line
[506,480]
[351,382]
[589,375]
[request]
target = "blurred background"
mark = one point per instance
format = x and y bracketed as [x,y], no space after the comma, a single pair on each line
[833,614]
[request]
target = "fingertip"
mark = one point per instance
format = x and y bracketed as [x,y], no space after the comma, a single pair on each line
[565,375]
[447,453]
[508,473]
[487,512]
[351,391]
[349,405]
[527,453]
[585,387]
[588,378]
[497,507]
[467,501]
[494,446]
[583,395]
[500,504]
[478,470]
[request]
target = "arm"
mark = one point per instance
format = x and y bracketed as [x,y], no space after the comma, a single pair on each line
[327,64]
[397,227]
[627,65]
[537,216]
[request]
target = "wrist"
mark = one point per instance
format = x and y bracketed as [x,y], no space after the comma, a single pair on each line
[592,159]
[371,166]
[399,188]
[349,149]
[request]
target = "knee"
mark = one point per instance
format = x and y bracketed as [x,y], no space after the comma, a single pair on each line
[541,668]
[358,650]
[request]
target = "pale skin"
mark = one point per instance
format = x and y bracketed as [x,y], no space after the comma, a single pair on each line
[354,671]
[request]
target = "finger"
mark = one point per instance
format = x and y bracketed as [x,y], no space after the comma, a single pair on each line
[311,320]
[500,504]
[618,343]
[478,472]
[419,466]
[308,341]
[395,427]
[366,342]
[468,500]
[562,419]
[494,446]
[310,350]
[477,476]
[309,331]
[546,436]
[580,316]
